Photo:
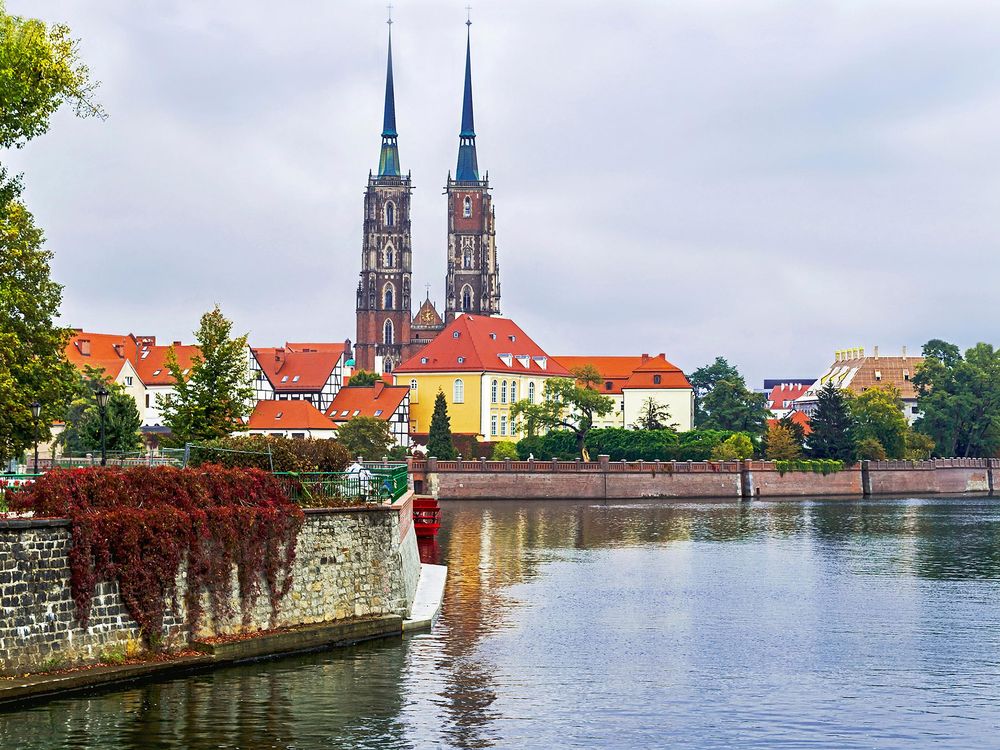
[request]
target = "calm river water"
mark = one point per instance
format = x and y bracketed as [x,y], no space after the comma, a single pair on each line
[833,624]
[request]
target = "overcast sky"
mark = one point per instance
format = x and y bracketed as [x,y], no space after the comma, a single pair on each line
[769,181]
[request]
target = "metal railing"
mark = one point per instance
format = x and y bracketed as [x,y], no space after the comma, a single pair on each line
[375,483]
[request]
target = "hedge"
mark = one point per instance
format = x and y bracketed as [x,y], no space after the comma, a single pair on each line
[626,445]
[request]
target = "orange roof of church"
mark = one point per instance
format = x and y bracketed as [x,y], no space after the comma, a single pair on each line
[288,415]
[631,371]
[480,341]
[366,401]
[294,370]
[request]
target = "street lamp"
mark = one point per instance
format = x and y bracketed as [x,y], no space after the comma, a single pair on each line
[102,404]
[36,412]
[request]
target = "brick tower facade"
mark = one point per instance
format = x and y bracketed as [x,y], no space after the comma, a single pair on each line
[473,281]
[383,304]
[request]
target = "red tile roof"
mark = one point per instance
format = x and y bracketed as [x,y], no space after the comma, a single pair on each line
[484,344]
[294,370]
[110,351]
[329,348]
[152,364]
[288,415]
[786,392]
[366,400]
[631,372]
[798,418]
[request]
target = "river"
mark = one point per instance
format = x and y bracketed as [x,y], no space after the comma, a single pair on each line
[819,624]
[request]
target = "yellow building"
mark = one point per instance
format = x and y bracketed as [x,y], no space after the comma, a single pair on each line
[482,364]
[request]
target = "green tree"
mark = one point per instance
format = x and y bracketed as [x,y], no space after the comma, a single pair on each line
[782,443]
[733,448]
[653,416]
[215,397]
[919,447]
[869,448]
[362,378]
[439,442]
[704,379]
[40,69]
[33,366]
[832,426]
[504,449]
[796,428]
[878,414]
[83,418]
[570,404]
[730,405]
[368,437]
[959,398]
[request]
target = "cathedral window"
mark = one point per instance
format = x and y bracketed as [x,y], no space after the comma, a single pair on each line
[390,214]
[503,392]
[466,299]
[493,392]
[389,257]
[388,297]
[458,394]
[386,367]
[387,332]
[467,207]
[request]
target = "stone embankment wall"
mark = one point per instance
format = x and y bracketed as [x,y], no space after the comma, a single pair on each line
[605,479]
[348,563]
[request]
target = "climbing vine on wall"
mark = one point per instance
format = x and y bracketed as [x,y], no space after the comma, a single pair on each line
[139,526]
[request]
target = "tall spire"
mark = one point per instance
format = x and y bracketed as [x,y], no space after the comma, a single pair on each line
[388,163]
[468,167]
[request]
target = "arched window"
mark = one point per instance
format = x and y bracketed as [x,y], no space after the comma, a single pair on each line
[387,365]
[458,394]
[466,298]
[390,214]
[531,392]
[387,332]
[513,391]
[390,256]
[493,392]
[467,258]
[388,294]
[467,207]
[503,392]
[656,380]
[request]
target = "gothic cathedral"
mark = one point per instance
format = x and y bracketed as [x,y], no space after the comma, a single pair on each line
[386,333]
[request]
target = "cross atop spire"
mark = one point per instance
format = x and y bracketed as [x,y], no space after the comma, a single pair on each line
[468,168]
[388,163]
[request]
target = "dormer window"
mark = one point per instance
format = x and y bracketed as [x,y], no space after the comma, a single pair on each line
[493,336]
[461,360]
[467,207]
[156,372]
[278,415]
[608,385]
[512,337]
[906,375]
[423,360]
[878,374]
[455,335]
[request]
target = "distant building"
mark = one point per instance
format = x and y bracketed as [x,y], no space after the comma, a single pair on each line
[390,403]
[853,370]
[483,365]
[312,372]
[631,381]
[290,419]
[781,395]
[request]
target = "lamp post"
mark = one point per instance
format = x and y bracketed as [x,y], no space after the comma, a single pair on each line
[36,412]
[102,405]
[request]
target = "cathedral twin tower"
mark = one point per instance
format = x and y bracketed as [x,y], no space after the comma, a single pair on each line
[386,333]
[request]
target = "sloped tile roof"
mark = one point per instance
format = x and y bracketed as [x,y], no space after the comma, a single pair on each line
[631,372]
[366,400]
[289,370]
[288,415]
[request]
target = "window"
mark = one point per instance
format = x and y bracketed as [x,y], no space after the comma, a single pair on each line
[906,375]
[608,385]
[467,207]
[389,258]
[423,361]
[390,214]
[295,379]
[503,424]
[128,380]
[356,412]
[388,297]
[378,412]
[156,372]
[387,366]
[656,380]
[513,391]
[147,400]
[467,258]
[387,332]
[344,413]
[455,335]
[298,436]
[461,360]
[284,378]
[493,393]
[413,383]
[466,299]
[503,392]
[458,392]
[531,392]
[493,424]
[278,415]
[878,375]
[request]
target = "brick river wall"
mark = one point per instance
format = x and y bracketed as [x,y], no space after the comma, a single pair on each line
[349,563]
[482,480]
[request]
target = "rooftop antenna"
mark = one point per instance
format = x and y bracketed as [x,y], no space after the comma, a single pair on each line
[468,15]
[390,16]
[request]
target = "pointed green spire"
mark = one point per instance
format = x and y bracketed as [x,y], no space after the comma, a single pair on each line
[388,163]
[468,167]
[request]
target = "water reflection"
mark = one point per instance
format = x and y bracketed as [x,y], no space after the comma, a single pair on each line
[834,624]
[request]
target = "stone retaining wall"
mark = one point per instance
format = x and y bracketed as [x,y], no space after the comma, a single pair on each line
[349,563]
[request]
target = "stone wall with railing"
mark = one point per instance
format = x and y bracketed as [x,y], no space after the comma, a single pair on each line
[534,479]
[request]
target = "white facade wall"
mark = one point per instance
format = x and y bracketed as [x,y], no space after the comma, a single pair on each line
[678,401]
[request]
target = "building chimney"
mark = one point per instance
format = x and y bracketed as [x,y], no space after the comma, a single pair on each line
[379,387]
[876,352]
[279,357]
[645,357]
[84,346]
[904,352]
[119,349]
[177,343]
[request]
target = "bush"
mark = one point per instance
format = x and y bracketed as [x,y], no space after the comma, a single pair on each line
[559,444]
[633,445]
[733,448]
[870,449]
[138,525]
[822,466]
[504,450]
[628,445]
[288,454]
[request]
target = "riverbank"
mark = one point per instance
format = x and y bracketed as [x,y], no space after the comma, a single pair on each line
[625,480]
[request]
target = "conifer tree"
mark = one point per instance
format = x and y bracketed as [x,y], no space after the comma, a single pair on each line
[439,442]
[832,426]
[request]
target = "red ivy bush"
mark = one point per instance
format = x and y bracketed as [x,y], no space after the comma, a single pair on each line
[138,525]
